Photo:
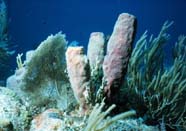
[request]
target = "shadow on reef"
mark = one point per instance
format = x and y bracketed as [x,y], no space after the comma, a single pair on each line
[60,88]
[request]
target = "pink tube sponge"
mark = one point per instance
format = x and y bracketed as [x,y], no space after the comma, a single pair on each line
[78,72]
[118,53]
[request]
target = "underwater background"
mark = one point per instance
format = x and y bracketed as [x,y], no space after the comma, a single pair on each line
[31,21]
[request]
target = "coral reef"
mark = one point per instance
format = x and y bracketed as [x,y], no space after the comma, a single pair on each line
[56,120]
[151,95]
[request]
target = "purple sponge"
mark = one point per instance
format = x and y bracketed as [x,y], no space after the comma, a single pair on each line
[118,53]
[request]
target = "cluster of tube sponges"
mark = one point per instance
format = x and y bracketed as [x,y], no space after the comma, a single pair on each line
[85,71]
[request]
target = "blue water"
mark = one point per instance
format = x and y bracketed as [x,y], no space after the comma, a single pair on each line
[31,21]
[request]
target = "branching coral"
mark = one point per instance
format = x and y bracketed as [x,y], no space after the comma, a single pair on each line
[159,90]
[19,62]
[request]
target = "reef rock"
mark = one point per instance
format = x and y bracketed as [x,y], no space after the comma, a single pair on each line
[57,120]
[50,120]
[131,125]
[13,114]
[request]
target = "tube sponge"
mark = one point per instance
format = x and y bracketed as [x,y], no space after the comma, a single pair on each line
[118,52]
[96,49]
[95,55]
[78,72]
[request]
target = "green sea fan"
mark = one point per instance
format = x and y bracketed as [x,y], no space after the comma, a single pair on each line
[48,62]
